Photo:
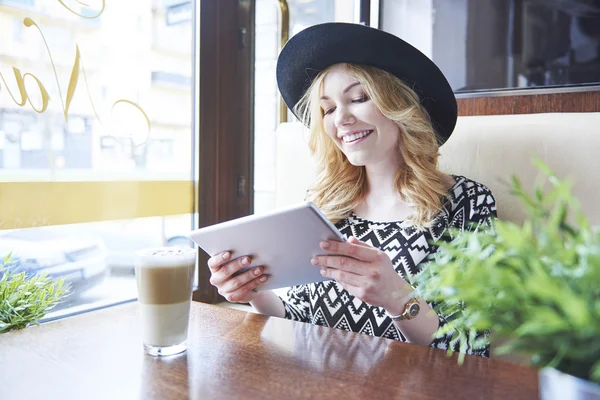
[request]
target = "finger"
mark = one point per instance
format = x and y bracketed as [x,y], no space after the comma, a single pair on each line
[240,280]
[248,291]
[216,261]
[229,269]
[342,277]
[354,240]
[342,263]
[368,254]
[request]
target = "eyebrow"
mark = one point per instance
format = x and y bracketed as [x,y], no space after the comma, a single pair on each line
[344,91]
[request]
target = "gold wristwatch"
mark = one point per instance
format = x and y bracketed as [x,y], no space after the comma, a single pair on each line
[411,310]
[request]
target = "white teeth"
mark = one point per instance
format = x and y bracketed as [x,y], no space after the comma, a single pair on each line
[355,136]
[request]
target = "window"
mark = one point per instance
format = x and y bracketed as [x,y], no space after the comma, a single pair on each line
[89,177]
[18,3]
[483,45]
[302,14]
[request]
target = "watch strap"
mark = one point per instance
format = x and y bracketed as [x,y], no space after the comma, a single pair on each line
[405,315]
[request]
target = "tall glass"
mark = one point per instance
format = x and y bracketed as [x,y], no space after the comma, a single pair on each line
[165,278]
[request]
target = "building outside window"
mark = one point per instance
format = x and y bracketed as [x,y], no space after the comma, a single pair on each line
[81,191]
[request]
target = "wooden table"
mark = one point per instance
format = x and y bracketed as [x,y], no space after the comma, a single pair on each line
[237,355]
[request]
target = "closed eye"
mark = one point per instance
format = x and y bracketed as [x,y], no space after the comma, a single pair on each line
[361,100]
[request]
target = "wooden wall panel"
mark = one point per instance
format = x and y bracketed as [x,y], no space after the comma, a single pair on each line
[530,103]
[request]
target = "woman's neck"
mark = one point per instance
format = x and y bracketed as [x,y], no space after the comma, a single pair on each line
[382,201]
[382,182]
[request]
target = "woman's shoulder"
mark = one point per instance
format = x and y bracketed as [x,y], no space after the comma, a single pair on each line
[469,195]
[464,187]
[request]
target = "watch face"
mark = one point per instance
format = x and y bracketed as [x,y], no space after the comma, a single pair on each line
[413,310]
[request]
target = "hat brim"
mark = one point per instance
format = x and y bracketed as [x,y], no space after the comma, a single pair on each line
[321,46]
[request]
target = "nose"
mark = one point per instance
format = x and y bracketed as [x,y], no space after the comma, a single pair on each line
[343,117]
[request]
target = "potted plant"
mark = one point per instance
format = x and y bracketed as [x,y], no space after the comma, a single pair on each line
[537,286]
[24,299]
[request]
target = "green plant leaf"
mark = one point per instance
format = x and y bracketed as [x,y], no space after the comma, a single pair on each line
[535,285]
[7,259]
[24,300]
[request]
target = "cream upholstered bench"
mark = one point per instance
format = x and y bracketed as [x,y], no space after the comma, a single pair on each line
[488,149]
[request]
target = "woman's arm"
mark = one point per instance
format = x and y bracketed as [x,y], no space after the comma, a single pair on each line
[368,274]
[268,303]
[420,329]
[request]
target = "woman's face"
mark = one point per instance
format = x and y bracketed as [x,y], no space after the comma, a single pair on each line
[355,123]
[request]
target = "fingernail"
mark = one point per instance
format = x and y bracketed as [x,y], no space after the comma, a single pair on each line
[314,261]
[256,271]
[245,261]
[324,271]
[263,279]
[225,256]
[324,245]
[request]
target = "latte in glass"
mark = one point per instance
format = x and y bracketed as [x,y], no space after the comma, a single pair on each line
[165,278]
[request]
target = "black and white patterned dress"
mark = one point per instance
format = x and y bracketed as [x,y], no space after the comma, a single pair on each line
[470,205]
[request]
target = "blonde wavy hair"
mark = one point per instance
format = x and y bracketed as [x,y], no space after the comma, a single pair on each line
[341,186]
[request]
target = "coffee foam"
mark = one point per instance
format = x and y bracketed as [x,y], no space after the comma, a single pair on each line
[163,257]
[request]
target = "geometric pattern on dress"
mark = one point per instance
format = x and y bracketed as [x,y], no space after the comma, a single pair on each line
[469,205]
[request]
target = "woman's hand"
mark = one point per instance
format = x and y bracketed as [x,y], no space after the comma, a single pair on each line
[239,288]
[364,271]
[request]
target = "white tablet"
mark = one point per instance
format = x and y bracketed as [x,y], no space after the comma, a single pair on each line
[282,241]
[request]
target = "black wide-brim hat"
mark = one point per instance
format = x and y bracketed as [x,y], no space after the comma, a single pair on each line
[320,46]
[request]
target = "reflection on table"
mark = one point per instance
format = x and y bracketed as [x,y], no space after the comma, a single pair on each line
[233,354]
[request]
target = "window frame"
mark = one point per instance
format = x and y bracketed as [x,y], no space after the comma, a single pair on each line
[226,120]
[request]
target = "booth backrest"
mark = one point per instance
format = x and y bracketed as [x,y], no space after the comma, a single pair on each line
[488,149]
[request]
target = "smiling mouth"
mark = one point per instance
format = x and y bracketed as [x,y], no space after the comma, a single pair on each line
[356,136]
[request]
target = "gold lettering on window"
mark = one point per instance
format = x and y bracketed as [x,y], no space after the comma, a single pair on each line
[73,81]
[20,78]
[83,4]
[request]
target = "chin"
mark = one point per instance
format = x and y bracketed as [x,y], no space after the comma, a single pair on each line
[357,161]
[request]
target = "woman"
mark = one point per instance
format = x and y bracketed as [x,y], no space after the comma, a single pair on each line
[378,110]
